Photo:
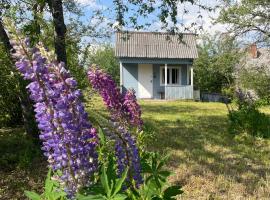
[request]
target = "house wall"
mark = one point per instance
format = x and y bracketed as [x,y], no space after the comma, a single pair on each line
[130,77]
[157,88]
[130,73]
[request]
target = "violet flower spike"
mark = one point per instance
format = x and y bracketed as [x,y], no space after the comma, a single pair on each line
[69,140]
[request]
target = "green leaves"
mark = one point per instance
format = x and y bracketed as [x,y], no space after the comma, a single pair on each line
[51,191]
[155,186]
[155,171]
[32,195]
[171,192]
[109,187]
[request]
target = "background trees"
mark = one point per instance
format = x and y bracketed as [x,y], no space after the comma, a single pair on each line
[215,66]
[104,57]
[247,18]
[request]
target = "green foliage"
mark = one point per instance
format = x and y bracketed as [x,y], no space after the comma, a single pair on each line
[10,109]
[109,186]
[155,185]
[247,17]
[250,120]
[17,150]
[104,57]
[52,191]
[215,66]
[257,80]
[247,118]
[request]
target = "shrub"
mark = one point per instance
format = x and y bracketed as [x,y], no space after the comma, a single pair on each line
[247,118]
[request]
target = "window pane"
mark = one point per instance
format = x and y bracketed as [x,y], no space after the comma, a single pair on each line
[163,76]
[176,76]
[173,76]
[168,76]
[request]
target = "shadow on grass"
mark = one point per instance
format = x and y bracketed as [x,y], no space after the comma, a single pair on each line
[200,138]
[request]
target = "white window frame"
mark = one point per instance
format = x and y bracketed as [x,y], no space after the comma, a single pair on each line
[170,74]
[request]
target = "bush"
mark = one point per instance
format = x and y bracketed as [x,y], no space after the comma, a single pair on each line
[247,118]
[10,109]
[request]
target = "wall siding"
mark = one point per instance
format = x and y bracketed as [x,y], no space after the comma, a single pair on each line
[130,77]
[179,92]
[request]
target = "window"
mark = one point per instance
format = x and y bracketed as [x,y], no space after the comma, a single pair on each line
[173,74]
[189,75]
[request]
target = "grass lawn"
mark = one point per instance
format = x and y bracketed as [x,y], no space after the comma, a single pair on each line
[206,160]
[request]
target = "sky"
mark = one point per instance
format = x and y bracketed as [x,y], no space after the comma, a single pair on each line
[106,6]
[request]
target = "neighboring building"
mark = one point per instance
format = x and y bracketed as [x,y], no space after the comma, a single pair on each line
[156,65]
[255,59]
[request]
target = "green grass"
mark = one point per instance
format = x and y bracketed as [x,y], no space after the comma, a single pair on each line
[207,161]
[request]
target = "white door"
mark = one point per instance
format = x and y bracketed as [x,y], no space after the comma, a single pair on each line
[145,80]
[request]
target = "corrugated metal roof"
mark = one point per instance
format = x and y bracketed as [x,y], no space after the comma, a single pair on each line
[155,45]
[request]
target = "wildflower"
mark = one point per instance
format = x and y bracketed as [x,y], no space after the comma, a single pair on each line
[124,111]
[69,140]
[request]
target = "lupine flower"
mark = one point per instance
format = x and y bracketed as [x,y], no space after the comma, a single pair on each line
[105,85]
[132,109]
[124,110]
[127,155]
[69,140]
[124,107]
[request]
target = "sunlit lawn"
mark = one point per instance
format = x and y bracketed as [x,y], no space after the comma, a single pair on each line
[206,160]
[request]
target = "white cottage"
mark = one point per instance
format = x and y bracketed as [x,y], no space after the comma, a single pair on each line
[156,65]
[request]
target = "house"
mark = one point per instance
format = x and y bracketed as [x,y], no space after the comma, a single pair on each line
[255,59]
[156,65]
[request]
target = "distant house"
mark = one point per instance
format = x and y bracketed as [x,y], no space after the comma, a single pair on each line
[156,65]
[255,59]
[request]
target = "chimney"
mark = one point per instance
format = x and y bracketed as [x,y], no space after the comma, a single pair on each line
[253,50]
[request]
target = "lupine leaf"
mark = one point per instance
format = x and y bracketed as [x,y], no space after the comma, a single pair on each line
[104,181]
[90,197]
[120,197]
[171,192]
[120,182]
[101,136]
[162,162]
[32,195]
[165,173]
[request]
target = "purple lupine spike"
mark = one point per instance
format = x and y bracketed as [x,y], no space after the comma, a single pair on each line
[127,155]
[121,107]
[104,84]
[132,108]
[69,140]
[124,111]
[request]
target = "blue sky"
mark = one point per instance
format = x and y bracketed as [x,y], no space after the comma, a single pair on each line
[107,7]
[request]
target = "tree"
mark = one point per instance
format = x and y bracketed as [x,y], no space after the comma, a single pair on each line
[258,80]
[247,17]
[23,97]
[216,63]
[105,59]
[56,10]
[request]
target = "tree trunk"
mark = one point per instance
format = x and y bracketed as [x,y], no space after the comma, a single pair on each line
[56,9]
[26,104]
